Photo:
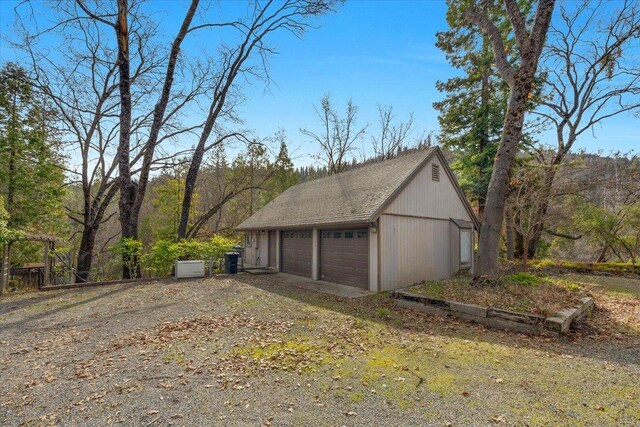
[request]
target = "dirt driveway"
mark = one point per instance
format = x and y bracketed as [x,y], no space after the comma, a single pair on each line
[254,351]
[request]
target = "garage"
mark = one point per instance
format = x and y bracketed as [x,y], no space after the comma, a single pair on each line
[344,256]
[297,252]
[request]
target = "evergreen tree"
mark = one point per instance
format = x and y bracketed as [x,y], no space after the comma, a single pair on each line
[31,177]
[284,175]
[472,112]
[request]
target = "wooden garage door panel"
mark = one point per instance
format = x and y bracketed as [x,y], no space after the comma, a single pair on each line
[296,252]
[344,256]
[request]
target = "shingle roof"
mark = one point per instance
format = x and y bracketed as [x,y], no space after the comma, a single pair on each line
[349,197]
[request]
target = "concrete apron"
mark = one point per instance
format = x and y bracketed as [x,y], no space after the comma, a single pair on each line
[324,287]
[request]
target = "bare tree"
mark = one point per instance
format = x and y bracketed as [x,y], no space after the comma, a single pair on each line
[235,61]
[83,89]
[339,135]
[113,66]
[589,79]
[392,135]
[519,71]
[523,202]
[133,180]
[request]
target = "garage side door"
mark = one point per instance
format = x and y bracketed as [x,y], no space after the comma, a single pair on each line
[344,256]
[296,252]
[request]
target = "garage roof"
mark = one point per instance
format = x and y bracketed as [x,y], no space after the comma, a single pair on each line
[350,197]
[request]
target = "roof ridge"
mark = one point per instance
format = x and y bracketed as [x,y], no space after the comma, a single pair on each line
[359,167]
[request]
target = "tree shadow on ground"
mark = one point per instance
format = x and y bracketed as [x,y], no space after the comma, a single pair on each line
[582,344]
[64,307]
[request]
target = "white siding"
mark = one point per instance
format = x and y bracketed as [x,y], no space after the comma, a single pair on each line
[427,198]
[412,250]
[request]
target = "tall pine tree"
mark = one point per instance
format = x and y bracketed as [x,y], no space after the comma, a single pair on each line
[472,112]
[31,177]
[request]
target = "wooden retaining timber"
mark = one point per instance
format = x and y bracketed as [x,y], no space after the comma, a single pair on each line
[497,318]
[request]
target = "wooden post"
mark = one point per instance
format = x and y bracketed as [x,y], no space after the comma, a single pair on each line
[4,267]
[47,265]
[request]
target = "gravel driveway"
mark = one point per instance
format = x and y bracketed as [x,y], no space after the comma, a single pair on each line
[254,350]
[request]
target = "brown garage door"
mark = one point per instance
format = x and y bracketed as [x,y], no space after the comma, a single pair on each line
[344,256]
[296,252]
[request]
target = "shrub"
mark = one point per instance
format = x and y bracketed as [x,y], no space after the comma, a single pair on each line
[163,255]
[131,250]
[160,260]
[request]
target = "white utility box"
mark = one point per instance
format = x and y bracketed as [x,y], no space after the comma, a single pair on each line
[186,269]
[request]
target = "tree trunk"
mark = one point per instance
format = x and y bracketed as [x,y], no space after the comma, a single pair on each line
[484,137]
[85,254]
[525,252]
[159,117]
[603,255]
[190,185]
[13,127]
[499,184]
[128,224]
[511,236]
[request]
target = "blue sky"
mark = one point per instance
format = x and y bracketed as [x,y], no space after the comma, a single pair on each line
[376,52]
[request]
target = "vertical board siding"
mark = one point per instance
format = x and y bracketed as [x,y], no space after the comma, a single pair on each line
[425,197]
[263,249]
[373,261]
[413,250]
[455,247]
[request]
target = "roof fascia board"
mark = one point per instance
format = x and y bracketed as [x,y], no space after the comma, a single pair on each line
[454,180]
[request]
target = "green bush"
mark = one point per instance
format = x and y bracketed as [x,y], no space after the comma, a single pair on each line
[163,255]
[131,250]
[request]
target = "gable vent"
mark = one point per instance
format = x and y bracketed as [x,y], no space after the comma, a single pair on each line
[435,172]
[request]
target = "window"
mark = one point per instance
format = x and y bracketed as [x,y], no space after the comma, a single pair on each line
[337,235]
[248,240]
[435,172]
[348,234]
[361,234]
[326,234]
[465,247]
